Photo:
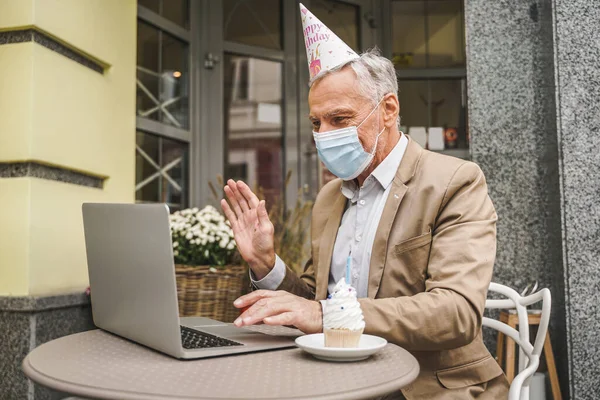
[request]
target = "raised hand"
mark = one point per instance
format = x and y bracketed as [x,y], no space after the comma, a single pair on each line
[252,228]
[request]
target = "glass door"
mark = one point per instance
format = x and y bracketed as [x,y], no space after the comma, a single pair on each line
[249,96]
[253,95]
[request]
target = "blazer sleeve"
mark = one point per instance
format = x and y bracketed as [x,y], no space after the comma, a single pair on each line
[449,313]
[303,285]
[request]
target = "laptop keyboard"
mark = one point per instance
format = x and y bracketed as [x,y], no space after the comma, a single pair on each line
[193,339]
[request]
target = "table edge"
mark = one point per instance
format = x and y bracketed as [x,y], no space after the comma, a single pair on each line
[79,390]
[110,394]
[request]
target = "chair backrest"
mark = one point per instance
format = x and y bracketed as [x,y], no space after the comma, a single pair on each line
[529,355]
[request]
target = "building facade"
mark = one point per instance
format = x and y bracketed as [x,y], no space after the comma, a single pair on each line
[150,100]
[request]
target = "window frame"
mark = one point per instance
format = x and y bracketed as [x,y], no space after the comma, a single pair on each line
[157,128]
[426,73]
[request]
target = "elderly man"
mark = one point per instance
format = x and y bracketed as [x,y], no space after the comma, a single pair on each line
[419,227]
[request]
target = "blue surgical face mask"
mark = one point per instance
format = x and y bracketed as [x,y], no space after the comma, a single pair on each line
[341,150]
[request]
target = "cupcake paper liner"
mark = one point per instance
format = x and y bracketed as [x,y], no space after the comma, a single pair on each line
[342,338]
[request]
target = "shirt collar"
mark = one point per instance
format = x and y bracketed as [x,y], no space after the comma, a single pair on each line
[384,173]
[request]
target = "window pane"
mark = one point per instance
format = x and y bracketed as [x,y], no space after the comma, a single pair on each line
[253,126]
[436,103]
[174,164]
[408,34]
[448,109]
[413,103]
[147,71]
[153,5]
[253,22]
[177,11]
[161,171]
[341,18]
[174,82]
[445,32]
[428,33]
[174,10]
[445,103]
[146,160]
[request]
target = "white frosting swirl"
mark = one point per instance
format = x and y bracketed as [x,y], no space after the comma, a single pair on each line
[342,309]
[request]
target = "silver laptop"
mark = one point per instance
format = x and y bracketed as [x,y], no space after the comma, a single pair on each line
[133,288]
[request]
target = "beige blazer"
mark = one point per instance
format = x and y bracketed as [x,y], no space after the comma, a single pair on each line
[431,265]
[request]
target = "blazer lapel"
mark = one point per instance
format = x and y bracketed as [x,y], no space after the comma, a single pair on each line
[326,245]
[405,172]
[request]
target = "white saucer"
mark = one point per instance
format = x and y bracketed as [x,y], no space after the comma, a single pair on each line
[315,345]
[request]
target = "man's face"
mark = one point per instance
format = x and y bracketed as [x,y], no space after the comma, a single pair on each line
[335,103]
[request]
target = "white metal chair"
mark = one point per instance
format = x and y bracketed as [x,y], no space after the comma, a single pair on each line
[529,355]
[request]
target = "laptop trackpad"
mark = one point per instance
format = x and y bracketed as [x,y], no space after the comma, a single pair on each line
[225,331]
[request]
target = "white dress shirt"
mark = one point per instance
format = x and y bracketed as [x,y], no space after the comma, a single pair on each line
[357,229]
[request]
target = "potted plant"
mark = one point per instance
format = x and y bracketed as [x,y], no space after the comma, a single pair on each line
[209,272]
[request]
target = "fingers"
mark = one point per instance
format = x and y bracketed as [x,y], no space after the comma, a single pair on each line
[251,298]
[248,194]
[238,196]
[233,201]
[286,318]
[264,308]
[229,214]
[263,215]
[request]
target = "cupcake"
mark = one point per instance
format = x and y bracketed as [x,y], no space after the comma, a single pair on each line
[343,321]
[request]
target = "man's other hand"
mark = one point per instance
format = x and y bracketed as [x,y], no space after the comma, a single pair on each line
[280,308]
[252,228]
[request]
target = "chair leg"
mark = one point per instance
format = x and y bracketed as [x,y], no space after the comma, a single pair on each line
[512,321]
[552,368]
[524,393]
[510,359]
[500,349]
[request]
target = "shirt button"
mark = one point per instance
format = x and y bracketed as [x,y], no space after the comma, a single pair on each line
[358,238]
[362,202]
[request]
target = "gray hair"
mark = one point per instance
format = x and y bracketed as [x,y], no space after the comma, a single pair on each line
[376,76]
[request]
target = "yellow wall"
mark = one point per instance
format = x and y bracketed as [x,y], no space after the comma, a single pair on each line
[57,253]
[64,114]
[15,196]
[16,71]
[15,13]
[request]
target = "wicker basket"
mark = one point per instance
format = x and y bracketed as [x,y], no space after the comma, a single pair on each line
[205,293]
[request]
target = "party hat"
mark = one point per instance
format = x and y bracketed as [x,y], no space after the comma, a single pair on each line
[324,49]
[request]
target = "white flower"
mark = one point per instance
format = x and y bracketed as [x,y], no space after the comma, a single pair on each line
[201,230]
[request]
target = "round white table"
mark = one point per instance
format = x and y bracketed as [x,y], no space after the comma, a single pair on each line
[100,365]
